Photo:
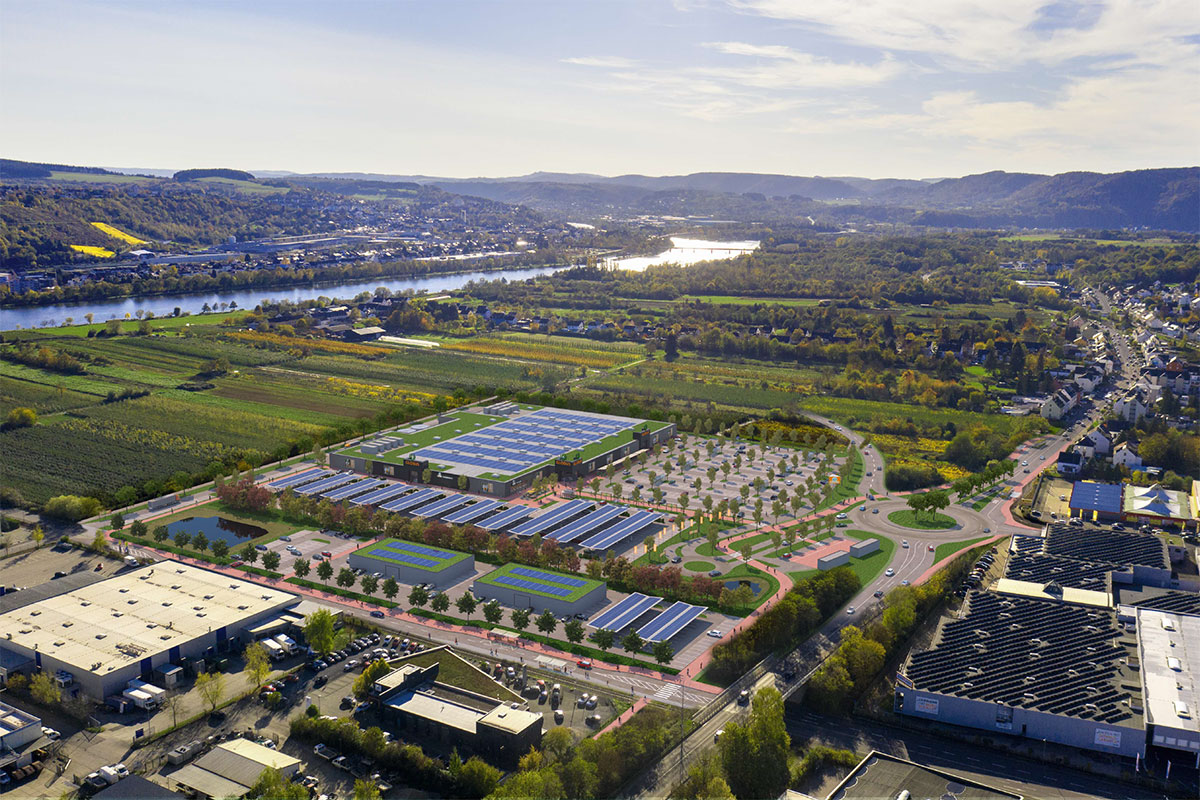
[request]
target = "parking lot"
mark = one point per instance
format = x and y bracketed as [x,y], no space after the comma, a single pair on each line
[307,544]
[41,566]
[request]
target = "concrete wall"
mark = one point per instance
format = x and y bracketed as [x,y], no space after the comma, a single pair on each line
[512,597]
[864,548]
[410,575]
[833,560]
[1027,723]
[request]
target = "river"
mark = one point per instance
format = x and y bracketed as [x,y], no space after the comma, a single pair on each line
[683,251]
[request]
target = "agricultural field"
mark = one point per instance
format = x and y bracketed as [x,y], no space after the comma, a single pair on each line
[117,233]
[88,177]
[93,251]
[569,352]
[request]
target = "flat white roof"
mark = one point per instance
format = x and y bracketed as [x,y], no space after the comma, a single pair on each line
[1169,650]
[14,719]
[108,625]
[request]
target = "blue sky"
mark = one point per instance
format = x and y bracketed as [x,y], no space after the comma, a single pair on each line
[877,88]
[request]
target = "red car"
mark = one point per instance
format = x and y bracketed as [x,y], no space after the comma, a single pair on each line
[584,663]
[326,554]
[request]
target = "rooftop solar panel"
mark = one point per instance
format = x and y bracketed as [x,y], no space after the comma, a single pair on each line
[622,530]
[548,577]
[601,516]
[381,495]
[299,477]
[407,558]
[325,485]
[422,550]
[412,500]
[473,512]
[442,506]
[624,612]
[353,489]
[670,622]
[505,518]
[559,513]
[533,586]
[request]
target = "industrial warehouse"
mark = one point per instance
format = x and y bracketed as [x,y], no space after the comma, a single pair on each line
[99,639]
[517,586]
[500,449]
[412,563]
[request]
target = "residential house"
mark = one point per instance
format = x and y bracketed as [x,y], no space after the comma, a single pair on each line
[1125,455]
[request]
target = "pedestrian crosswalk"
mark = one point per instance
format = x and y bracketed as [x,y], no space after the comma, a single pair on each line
[667,694]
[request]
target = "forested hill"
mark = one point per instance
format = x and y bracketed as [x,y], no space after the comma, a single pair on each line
[1166,199]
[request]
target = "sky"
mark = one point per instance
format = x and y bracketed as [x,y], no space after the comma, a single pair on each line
[459,88]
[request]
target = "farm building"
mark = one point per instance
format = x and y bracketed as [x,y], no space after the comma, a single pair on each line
[500,449]
[97,638]
[517,586]
[414,563]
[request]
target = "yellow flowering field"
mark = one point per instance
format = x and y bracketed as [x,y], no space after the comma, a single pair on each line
[117,233]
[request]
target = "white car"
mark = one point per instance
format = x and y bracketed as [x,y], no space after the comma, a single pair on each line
[715,634]
[850,609]
[889,572]
[51,734]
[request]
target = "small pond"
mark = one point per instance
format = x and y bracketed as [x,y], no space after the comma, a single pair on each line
[754,587]
[217,529]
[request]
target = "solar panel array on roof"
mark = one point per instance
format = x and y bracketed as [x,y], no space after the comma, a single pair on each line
[547,577]
[355,488]
[414,554]
[560,513]
[447,503]
[624,612]
[473,512]
[1111,547]
[533,586]
[326,484]
[1042,655]
[670,622]
[1094,496]
[517,444]
[601,516]
[381,495]
[622,530]
[406,558]
[505,518]
[412,500]
[420,549]
[299,477]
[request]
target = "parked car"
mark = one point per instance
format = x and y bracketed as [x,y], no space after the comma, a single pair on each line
[377,614]
[716,634]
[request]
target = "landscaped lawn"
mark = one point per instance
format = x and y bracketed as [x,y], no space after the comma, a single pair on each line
[949,548]
[457,672]
[923,522]
[802,574]
[767,585]
[867,569]
[698,566]
[272,521]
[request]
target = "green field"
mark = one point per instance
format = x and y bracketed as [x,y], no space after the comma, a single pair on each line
[557,579]
[444,558]
[738,300]
[88,177]
[950,548]
[698,566]
[922,522]
[868,569]
[458,672]
[768,586]
[250,187]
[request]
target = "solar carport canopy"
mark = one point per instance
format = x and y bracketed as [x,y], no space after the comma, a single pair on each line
[622,530]
[353,489]
[505,518]
[559,513]
[624,612]
[381,495]
[412,500]
[601,516]
[670,622]
[300,477]
[327,484]
[473,512]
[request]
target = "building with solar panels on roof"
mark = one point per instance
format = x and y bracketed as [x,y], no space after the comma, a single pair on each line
[413,563]
[519,586]
[500,449]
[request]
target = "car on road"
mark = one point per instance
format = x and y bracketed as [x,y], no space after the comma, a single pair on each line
[841,515]
[262,548]
[878,593]
[849,609]
[874,510]
[326,554]
[584,663]
[285,538]
[889,572]
[931,548]
[904,544]
[904,582]
[716,634]
[377,614]
[716,573]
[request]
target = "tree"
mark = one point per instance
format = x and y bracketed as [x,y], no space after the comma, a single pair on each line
[632,643]
[21,418]
[258,664]
[390,588]
[182,538]
[663,652]
[558,743]
[492,612]
[520,618]
[466,604]
[248,553]
[346,578]
[546,623]
[118,521]
[200,542]
[418,596]
[211,686]
[574,631]
[325,570]
[366,790]
[754,754]
[220,549]
[372,672]
[477,778]
[320,631]
[43,689]
[271,560]
[271,785]
[369,584]
[301,566]
[38,536]
[161,534]
[440,602]
[604,639]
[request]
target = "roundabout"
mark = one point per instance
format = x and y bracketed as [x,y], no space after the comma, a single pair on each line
[907,518]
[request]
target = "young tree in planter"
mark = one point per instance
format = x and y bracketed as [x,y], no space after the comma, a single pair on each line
[418,596]
[219,548]
[492,612]
[325,571]
[632,643]
[390,588]
[248,554]
[663,652]
[546,623]
[604,639]
[346,578]
[301,567]
[440,602]
[574,630]
[369,584]
[271,560]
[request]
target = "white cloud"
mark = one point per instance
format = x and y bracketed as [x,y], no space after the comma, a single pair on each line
[612,62]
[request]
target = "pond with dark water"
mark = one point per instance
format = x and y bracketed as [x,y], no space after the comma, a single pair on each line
[754,586]
[215,529]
